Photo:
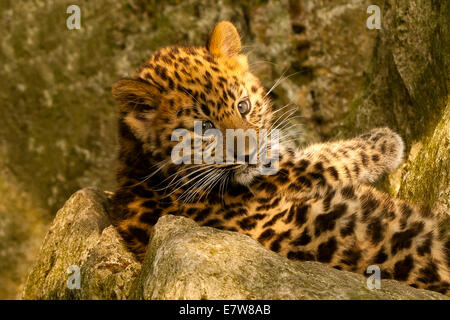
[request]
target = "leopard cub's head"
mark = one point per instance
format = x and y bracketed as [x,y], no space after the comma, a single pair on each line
[182,87]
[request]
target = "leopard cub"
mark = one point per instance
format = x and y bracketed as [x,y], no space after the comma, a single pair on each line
[318,206]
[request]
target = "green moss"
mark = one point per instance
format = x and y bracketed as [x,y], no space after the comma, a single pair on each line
[426,180]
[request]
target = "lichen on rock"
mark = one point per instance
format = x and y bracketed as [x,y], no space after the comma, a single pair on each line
[406,88]
[81,236]
[426,177]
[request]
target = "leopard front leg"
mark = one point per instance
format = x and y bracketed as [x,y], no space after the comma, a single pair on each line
[351,227]
[362,159]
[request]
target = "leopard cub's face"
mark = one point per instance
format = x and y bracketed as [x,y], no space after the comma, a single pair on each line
[193,88]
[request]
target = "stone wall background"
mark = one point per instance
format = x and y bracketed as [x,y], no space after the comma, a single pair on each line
[57,123]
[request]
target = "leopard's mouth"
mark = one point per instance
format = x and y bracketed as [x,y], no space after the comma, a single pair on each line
[245,173]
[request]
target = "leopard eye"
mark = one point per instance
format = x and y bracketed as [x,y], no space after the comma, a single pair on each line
[206,125]
[244,106]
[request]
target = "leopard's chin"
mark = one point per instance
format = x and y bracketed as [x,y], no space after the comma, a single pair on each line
[246,174]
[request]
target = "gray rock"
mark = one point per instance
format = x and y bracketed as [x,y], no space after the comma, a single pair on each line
[186,261]
[81,236]
[407,89]
[407,83]
[183,261]
[426,174]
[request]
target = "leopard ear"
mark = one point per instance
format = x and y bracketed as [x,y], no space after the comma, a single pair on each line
[224,40]
[137,100]
[135,95]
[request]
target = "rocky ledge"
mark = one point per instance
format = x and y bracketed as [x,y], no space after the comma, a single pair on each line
[83,257]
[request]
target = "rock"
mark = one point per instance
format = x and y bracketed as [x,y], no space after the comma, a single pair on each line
[426,175]
[109,270]
[81,236]
[183,261]
[407,84]
[407,89]
[338,54]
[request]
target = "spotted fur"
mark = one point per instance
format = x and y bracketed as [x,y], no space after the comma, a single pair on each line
[317,207]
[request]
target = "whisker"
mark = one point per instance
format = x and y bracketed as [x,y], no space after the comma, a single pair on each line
[222,187]
[192,191]
[205,171]
[276,83]
[214,183]
[283,123]
[288,126]
[179,171]
[202,167]
[280,80]
[202,176]
[150,175]
[209,183]
[285,106]
[185,91]
[289,112]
